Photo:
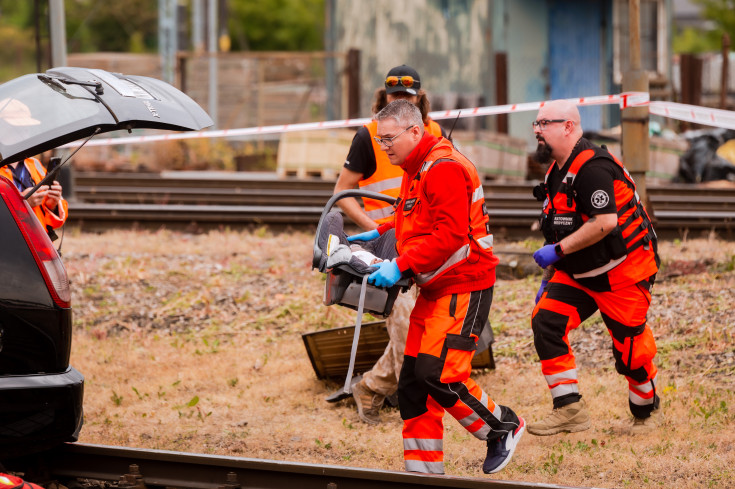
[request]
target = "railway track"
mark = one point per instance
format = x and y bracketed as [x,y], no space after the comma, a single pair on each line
[139,469]
[202,200]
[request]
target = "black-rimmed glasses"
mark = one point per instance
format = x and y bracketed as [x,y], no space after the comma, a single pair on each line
[388,142]
[543,123]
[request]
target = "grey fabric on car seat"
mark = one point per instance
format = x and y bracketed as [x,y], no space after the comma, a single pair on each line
[383,247]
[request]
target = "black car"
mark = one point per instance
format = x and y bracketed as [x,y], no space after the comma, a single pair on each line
[40,393]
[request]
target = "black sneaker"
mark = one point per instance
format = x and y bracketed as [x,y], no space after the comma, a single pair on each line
[500,451]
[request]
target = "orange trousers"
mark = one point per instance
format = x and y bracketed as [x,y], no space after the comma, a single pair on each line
[564,305]
[435,378]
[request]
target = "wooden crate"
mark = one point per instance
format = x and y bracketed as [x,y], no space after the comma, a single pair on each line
[329,350]
[313,153]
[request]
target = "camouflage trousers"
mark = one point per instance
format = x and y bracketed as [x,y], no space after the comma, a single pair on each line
[383,377]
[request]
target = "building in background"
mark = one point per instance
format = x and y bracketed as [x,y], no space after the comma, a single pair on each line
[551,49]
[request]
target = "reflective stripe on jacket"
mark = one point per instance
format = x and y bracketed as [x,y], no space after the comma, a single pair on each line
[471,266]
[627,254]
[387,177]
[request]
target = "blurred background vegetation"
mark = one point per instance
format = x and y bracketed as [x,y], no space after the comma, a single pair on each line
[262,25]
[721,15]
[132,26]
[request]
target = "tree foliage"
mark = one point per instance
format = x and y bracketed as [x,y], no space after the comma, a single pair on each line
[722,15]
[100,25]
[276,25]
[132,25]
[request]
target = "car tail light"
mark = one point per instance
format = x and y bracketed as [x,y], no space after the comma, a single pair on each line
[46,256]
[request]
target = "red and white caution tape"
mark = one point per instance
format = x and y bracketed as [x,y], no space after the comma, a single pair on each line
[225,133]
[624,100]
[694,113]
[691,113]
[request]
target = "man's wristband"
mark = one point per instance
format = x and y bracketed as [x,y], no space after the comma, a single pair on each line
[558,250]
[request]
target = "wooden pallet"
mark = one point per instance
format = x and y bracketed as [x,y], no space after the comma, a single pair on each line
[307,154]
[305,173]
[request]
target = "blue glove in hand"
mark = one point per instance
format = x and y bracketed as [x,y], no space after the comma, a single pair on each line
[366,236]
[541,290]
[546,255]
[386,276]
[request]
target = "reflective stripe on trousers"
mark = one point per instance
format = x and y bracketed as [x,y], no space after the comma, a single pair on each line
[563,383]
[565,305]
[642,394]
[436,378]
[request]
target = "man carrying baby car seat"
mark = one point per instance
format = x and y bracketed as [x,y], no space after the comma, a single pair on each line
[368,167]
[444,243]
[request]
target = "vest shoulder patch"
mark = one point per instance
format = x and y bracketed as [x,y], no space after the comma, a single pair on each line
[599,199]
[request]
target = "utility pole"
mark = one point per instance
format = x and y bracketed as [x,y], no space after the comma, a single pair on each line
[167,38]
[57,28]
[635,119]
[330,40]
[57,36]
[724,74]
[213,101]
[197,26]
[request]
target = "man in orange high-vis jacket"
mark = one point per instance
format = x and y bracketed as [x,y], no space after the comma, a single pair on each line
[600,254]
[368,168]
[444,243]
[47,203]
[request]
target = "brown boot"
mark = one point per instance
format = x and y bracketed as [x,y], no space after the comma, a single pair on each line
[642,426]
[368,403]
[570,418]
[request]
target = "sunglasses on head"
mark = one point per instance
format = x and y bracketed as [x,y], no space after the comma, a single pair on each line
[406,80]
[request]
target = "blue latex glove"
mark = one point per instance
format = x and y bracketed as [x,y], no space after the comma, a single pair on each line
[546,255]
[386,276]
[541,290]
[366,236]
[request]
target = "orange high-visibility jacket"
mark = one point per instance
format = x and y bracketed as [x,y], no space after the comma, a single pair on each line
[471,265]
[387,178]
[50,219]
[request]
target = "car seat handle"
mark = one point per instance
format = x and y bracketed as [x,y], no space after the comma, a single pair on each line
[328,206]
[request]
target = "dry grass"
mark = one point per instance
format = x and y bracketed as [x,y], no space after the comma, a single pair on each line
[193,343]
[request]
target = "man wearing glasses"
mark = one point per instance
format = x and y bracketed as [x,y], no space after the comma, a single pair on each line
[444,243]
[368,168]
[599,253]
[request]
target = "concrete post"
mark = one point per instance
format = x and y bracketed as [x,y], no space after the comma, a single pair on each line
[213,62]
[57,28]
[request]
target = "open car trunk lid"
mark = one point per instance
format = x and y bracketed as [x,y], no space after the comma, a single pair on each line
[42,111]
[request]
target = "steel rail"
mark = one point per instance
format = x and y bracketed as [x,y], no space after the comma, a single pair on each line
[212,199]
[160,468]
[262,180]
[297,196]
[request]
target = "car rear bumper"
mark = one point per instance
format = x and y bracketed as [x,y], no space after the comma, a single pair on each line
[39,411]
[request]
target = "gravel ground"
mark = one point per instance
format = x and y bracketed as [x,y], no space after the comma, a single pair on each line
[193,343]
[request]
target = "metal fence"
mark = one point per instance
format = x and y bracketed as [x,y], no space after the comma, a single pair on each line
[254,89]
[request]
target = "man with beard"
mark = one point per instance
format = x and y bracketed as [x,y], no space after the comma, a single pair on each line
[599,253]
